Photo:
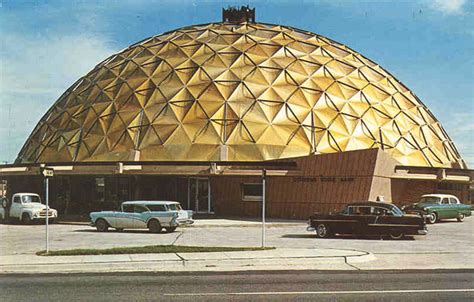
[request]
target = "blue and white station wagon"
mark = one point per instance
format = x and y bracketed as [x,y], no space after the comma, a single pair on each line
[152,215]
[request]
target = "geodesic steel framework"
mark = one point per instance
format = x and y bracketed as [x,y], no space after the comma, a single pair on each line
[237,92]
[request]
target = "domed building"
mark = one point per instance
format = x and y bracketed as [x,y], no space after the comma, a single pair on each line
[196,114]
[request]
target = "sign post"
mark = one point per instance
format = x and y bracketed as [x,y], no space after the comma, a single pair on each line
[264,174]
[47,173]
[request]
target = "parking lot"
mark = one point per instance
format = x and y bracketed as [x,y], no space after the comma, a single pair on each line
[445,237]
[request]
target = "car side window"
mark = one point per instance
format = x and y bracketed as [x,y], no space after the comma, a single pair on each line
[359,210]
[364,210]
[380,211]
[445,201]
[16,199]
[140,209]
[453,200]
[128,208]
[157,208]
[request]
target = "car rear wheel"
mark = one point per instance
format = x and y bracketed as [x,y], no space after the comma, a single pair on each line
[460,217]
[322,231]
[101,225]
[432,218]
[154,226]
[396,235]
[170,230]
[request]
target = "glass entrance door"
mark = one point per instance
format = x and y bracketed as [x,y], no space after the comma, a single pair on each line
[199,197]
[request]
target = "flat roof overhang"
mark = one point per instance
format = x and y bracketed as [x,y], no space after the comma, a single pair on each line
[432,173]
[273,168]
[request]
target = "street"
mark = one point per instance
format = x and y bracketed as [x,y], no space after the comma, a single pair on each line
[453,285]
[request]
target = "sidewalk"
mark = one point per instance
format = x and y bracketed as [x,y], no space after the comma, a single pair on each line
[278,259]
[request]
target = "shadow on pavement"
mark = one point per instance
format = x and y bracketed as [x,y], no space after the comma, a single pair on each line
[123,232]
[447,221]
[300,236]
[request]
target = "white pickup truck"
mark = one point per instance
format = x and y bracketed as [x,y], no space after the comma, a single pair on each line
[26,207]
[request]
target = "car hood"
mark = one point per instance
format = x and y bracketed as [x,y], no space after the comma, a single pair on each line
[102,213]
[424,205]
[34,205]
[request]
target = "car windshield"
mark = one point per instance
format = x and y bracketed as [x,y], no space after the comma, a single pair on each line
[396,211]
[429,199]
[175,207]
[345,211]
[30,199]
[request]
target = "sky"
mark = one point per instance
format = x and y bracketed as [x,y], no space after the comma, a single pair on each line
[48,45]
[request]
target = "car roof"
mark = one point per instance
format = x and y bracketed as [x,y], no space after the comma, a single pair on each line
[150,202]
[438,195]
[372,204]
[26,193]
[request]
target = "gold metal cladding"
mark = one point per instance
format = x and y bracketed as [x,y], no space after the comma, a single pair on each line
[237,92]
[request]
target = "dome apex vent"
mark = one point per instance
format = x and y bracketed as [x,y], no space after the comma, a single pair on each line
[238,15]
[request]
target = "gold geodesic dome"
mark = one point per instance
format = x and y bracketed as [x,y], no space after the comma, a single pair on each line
[237,92]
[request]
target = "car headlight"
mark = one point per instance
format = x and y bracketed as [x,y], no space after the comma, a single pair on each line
[424,209]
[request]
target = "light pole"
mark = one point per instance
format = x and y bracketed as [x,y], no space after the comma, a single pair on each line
[264,174]
[47,213]
[47,173]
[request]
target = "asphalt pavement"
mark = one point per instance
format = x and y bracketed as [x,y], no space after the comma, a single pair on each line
[448,245]
[446,237]
[441,285]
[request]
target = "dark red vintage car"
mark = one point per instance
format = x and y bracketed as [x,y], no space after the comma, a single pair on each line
[368,218]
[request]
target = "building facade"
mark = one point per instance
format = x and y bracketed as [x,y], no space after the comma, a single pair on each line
[196,114]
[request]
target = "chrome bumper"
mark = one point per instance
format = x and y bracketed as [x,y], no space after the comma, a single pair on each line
[310,229]
[422,232]
[185,222]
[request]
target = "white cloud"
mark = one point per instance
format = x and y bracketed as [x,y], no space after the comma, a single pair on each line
[47,64]
[35,71]
[448,7]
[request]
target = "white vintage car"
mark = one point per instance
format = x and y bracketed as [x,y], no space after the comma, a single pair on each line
[152,215]
[27,208]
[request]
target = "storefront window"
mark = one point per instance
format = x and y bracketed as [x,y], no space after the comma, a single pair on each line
[100,189]
[123,189]
[252,192]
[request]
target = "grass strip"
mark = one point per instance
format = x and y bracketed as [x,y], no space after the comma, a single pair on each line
[150,249]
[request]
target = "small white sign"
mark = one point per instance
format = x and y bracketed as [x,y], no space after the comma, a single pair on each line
[48,172]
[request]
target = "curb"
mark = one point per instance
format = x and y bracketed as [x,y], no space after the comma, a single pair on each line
[193,263]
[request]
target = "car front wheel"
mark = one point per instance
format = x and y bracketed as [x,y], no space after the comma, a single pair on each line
[26,218]
[460,217]
[101,225]
[154,226]
[322,231]
[432,218]
[396,235]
